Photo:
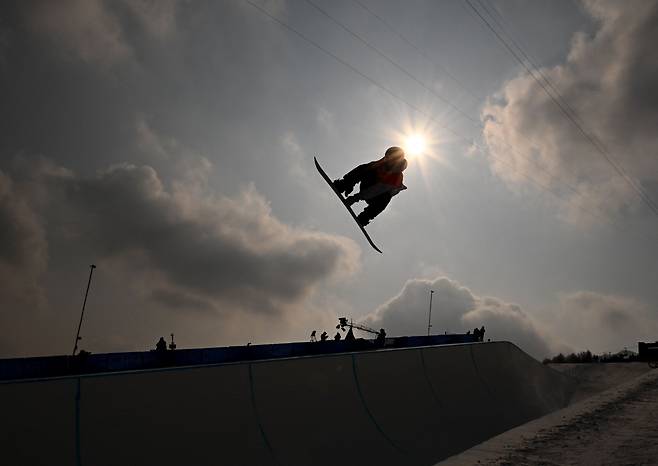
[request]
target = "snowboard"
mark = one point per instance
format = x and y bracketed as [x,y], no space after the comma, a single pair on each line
[342,199]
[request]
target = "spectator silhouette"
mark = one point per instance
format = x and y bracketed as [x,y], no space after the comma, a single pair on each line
[482,333]
[381,337]
[337,336]
[324,336]
[161,345]
[313,336]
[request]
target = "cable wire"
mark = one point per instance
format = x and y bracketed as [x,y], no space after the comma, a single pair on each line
[418,50]
[478,123]
[407,103]
[390,60]
[599,147]
[557,93]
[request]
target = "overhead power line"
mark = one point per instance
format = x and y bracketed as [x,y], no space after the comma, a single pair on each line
[493,12]
[598,146]
[390,60]
[477,123]
[548,82]
[405,102]
[356,70]
[418,50]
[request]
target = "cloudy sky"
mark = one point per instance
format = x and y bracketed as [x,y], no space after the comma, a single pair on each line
[171,143]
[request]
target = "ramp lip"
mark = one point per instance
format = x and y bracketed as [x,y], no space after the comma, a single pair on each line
[537,362]
[231,363]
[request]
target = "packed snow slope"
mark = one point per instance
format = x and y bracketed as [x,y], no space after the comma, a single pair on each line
[411,406]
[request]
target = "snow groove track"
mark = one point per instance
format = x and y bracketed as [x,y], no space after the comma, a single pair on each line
[411,406]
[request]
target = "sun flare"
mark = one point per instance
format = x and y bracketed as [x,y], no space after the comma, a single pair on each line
[415,145]
[420,141]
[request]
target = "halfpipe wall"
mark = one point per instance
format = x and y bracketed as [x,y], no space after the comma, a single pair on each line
[411,406]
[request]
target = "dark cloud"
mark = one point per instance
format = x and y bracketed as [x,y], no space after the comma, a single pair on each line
[456,309]
[179,247]
[83,29]
[158,17]
[23,260]
[95,31]
[22,242]
[216,247]
[610,80]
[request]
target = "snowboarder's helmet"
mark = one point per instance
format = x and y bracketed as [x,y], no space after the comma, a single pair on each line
[394,151]
[394,159]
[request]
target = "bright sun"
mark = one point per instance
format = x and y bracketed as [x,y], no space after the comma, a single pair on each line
[415,145]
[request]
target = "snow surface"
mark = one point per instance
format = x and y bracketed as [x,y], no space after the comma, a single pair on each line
[612,420]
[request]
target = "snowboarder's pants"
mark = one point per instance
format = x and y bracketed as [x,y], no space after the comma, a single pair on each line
[375,206]
[363,173]
[353,177]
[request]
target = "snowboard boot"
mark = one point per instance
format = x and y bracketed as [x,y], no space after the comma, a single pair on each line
[351,200]
[340,186]
[362,219]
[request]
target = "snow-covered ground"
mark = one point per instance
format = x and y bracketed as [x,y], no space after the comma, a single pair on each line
[612,420]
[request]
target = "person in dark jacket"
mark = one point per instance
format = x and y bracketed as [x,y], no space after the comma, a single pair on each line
[161,345]
[379,180]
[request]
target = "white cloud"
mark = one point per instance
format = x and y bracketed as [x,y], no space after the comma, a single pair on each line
[610,80]
[581,320]
[456,309]
[603,322]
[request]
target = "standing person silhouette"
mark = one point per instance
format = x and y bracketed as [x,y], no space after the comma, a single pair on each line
[161,345]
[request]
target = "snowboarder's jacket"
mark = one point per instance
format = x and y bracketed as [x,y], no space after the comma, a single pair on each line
[383,176]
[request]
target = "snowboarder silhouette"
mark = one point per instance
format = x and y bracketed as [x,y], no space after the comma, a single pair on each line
[380,181]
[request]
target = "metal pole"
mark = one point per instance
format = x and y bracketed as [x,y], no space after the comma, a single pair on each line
[84,303]
[429,319]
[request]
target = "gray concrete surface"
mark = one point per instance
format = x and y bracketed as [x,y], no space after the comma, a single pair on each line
[390,407]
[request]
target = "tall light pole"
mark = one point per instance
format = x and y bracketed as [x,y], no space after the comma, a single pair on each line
[84,303]
[429,318]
